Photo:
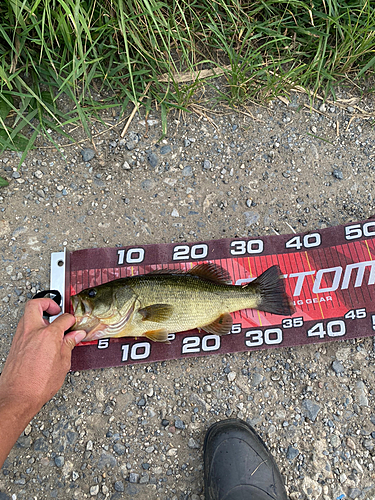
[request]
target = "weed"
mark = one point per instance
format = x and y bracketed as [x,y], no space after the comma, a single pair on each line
[104,53]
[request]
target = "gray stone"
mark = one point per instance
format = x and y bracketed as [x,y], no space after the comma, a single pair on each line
[147,184]
[131,490]
[40,444]
[119,486]
[206,164]
[131,145]
[256,379]
[133,477]
[179,424]
[59,461]
[106,459]
[251,218]
[153,159]
[187,171]
[87,154]
[192,443]
[165,150]
[94,490]
[119,448]
[292,453]
[24,441]
[352,492]
[361,396]
[310,409]
[145,478]
[337,367]
[338,174]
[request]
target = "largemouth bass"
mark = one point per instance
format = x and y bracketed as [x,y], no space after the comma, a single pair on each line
[162,302]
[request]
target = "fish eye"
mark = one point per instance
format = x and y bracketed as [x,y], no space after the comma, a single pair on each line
[92,293]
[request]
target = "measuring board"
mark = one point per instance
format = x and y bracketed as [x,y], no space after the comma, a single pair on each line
[329,274]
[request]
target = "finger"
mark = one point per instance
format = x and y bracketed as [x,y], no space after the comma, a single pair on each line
[62,323]
[35,308]
[71,339]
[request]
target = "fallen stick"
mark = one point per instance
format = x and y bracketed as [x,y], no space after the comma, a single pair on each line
[125,129]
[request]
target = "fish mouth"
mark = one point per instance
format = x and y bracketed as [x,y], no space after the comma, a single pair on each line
[82,313]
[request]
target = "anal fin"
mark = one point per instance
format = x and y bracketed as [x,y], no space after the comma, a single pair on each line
[221,326]
[157,335]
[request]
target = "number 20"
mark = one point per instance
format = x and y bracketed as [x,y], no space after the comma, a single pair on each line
[196,344]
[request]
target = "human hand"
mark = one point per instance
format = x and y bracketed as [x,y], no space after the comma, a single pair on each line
[39,358]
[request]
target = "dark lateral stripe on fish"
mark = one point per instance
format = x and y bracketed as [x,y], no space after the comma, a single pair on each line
[272,293]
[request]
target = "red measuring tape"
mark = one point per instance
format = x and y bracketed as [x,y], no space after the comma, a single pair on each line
[329,274]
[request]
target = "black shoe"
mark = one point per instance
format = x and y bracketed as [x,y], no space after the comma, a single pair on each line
[238,465]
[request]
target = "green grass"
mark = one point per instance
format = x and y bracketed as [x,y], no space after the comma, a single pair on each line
[114,48]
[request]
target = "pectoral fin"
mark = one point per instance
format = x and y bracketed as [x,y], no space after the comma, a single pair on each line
[221,326]
[156,312]
[157,335]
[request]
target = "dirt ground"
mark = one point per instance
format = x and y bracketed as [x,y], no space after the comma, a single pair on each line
[259,171]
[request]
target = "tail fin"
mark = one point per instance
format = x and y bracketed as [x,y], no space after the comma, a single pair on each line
[272,292]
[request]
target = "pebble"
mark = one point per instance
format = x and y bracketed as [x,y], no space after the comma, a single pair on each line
[251,218]
[94,490]
[119,448]
[144,479]
[175,213]
[153,159]
[310,409]
[192,443]
[119,486]
[59,461]
[179,424]
[292,453]
[338,174]
[231,376]
[133,477]
[87,154]
[354,493]
[361,391]
[126,165]
[165,150]
[337,367]
[130,145]
[187,171]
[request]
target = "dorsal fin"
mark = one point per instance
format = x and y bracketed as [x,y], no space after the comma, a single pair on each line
[211,272]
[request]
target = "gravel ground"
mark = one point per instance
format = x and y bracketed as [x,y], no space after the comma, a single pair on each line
[137,431]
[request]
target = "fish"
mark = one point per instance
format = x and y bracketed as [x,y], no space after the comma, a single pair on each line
[172,301]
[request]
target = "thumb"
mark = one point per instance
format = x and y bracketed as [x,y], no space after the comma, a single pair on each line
[73,338]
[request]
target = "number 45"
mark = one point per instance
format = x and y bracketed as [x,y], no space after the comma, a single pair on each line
[355,314]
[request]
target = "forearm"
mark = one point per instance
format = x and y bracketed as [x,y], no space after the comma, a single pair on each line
[14,417]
